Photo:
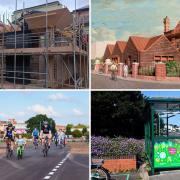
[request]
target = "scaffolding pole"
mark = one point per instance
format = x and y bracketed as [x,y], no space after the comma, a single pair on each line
[23,43]
[74,46]
[15,47]
[46,55]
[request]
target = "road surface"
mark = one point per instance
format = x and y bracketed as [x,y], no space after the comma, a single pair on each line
[99,81]
[59,165]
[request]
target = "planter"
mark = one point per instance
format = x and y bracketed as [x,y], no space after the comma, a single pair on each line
[119,165]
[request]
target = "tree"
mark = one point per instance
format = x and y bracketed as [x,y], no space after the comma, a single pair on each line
[37,121]
[84,131]
[118,113]
[77,133]
[68,129]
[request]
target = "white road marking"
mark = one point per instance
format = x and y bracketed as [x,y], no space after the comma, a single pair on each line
[51,173]
[47,177]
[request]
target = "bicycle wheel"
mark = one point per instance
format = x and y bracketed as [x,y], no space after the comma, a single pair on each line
[100,173]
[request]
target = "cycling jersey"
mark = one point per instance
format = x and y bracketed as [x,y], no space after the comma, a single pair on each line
[9,133]
[20,142]
[35,133]
[46,130]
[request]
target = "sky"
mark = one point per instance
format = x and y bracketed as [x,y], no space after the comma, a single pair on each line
[9,5]
[175,119]
[63,107]
[118,19]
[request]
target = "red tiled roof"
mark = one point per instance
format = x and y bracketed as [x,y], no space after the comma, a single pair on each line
[152,41]
[121,45]
[139,42]
[110,47]
[177,28]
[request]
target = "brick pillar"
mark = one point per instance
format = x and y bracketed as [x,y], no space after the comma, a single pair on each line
[135,67]
[120,69]
[97,67]
[160,71]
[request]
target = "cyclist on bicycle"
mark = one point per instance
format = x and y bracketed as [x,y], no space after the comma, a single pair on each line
[56,137]
[113,69]
[21,143]
[35,135]
[46,132]
[61,137]
[9,135]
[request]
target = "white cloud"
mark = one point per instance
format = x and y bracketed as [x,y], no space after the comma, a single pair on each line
[77,112]
[40,109]
[20,113]
[58,97]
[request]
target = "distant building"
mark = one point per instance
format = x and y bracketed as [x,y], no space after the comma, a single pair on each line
[61,127]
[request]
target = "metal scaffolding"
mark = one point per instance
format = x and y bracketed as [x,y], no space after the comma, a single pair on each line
[52,61]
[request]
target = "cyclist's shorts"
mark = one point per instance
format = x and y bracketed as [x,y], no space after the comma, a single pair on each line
[46,135]
[9,138]
[36,137]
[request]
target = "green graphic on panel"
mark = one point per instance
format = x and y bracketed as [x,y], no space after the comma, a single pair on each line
[167,154]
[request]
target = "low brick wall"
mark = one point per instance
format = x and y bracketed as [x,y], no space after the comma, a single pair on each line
[119,165]
[146,77]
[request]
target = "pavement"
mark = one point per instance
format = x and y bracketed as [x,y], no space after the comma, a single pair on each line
[168,175]
[102,81]
[60,164]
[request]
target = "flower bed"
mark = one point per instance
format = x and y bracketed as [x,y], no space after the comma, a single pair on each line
[119,153]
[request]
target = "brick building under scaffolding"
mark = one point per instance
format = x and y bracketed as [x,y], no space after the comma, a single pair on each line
[45,49]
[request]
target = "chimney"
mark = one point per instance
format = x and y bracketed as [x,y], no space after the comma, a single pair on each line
[166,24]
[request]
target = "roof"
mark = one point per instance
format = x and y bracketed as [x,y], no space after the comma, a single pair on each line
[110,47]
[83,8]
[152,41]
[108,50]
[119,47]
[177,28]
[59,18]
[139,42]
[51,3]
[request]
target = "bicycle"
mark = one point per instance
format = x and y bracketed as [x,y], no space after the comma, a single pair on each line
[113,75]
[46,147]
[35,143]
[56,141]
[20,152]
[99,172]
[9,151]
[61,143]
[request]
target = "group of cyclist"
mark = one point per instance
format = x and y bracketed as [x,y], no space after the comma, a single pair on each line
[45,132]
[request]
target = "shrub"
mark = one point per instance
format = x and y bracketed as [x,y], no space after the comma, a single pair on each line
[115,147]
[147,70]
[173,69]
[76,133]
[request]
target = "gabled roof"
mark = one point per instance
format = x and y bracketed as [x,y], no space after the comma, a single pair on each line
[108,50]
[152,41]
[59,18]
[119,47]
[177,28]
[139,42]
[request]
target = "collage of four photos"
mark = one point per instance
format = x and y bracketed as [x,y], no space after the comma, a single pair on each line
[90,89]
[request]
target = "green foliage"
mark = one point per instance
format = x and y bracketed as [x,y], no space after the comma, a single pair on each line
[84,131]
[68,129]
[173,69]
[147,71]
[76,133]
[118,113]
[27,136]
[37,121]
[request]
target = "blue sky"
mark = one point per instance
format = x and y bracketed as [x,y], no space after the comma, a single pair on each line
[9,5]
[175,119]
[63,107]
[118,19]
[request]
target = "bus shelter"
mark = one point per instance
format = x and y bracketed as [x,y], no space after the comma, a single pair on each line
[162,134]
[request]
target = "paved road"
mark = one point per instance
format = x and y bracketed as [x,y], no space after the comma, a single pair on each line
[99,81]
[59,165]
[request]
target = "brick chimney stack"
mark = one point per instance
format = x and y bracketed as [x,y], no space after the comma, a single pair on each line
[166,24]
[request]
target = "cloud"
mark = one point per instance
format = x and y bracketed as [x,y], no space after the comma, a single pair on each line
[77,112]
[20,113]
[102,34]
[58,97]
[40,109]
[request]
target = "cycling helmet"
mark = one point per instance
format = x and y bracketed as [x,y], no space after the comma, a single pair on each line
[45,123]
[10,124]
